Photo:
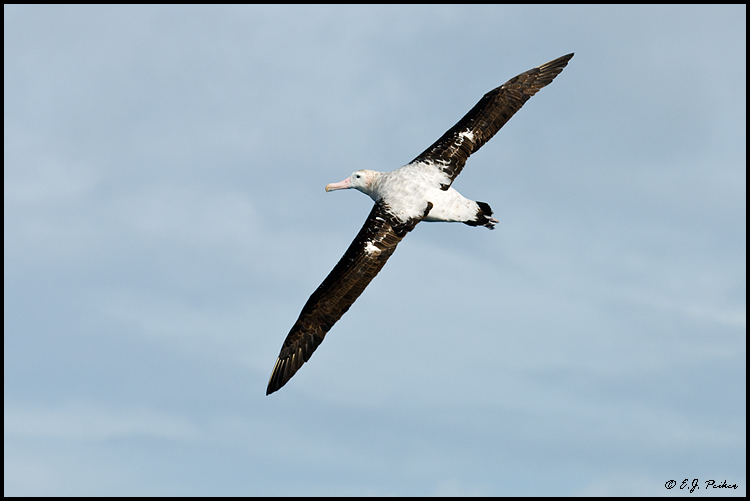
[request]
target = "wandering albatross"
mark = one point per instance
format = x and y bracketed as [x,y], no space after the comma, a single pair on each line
[419,191]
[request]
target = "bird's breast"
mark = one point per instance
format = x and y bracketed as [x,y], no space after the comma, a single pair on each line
[407,191]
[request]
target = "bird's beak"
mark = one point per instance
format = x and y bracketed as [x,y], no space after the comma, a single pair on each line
[343,185]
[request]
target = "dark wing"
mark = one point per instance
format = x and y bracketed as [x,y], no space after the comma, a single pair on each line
[449,153]
[364,258]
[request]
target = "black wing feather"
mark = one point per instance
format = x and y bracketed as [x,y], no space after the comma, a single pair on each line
[449,153]
[339,290]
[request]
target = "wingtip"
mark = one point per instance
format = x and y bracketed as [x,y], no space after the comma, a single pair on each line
[560,62]
[284,369]
[275,381]
[273,385]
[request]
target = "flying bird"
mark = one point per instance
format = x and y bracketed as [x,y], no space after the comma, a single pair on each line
[419,191]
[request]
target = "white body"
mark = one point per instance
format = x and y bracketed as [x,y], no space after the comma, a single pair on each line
[407,191]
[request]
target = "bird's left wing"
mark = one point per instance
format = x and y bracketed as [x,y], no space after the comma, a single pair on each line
[364,258]
[449,153]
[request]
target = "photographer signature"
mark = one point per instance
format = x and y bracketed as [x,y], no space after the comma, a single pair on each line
[694,485]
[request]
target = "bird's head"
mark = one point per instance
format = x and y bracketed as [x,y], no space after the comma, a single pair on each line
[361,180]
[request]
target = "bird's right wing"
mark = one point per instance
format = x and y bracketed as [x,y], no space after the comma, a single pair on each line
[364,258]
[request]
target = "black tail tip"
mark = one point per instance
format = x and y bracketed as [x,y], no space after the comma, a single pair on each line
[485,209]
[483,218]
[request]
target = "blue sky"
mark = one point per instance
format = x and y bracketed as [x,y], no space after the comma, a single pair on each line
[166,219]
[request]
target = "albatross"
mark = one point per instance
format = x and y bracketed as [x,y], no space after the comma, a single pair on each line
[419,191]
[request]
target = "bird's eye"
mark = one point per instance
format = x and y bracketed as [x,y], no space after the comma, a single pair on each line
[356,176]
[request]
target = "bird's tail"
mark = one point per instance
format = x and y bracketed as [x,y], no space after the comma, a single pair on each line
[483,218]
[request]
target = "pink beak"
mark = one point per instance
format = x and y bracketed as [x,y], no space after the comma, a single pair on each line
[343,185]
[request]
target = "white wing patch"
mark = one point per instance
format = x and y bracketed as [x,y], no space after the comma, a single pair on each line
[371,248]
[467,135]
